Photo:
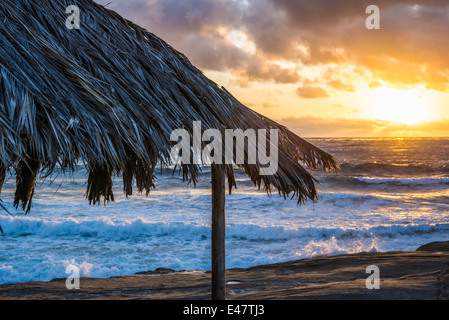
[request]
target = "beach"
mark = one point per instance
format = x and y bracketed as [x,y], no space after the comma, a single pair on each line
[413,275]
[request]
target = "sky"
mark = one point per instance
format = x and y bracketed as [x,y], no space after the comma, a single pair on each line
[314,66]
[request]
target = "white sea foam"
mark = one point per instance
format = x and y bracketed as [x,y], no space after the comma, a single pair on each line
[140,230]
[37,249]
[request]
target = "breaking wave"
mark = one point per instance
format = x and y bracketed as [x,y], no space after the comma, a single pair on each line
[104,228]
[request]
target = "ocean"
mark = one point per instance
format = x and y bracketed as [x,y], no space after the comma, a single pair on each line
[390,195]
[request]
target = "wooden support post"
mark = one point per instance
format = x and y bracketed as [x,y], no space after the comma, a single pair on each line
[218,232]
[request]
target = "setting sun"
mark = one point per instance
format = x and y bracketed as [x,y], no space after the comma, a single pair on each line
[404,106]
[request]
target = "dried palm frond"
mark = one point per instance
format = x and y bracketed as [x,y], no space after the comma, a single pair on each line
[110,94]
[2,177]
[26,173]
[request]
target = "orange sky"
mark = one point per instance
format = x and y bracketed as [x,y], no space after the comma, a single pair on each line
[313,65]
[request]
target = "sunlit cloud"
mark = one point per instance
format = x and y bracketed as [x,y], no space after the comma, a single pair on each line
[407,50]
[311,92]
[269,105]
[316,54]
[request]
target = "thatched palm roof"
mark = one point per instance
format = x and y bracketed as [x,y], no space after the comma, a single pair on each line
[110,94]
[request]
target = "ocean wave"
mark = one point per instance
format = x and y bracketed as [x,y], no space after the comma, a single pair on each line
[104,228]
[40,250]
[392,169]
[257,233]
[404,181]
[438,182]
